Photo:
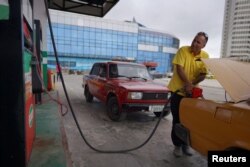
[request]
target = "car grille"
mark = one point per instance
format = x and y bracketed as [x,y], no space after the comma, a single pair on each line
[155,96]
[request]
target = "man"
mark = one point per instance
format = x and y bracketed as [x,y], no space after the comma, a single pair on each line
[58,70]
[189,70]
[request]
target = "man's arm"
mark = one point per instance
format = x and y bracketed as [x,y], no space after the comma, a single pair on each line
[200,78]
[187,84]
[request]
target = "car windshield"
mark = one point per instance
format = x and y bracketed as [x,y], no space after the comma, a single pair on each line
[129,71]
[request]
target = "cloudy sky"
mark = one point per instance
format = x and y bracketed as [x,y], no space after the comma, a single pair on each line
[182,18]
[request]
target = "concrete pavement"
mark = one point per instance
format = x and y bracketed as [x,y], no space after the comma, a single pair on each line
[50,147]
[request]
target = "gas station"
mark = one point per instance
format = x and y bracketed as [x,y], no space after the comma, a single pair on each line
[23,29]
[31,131]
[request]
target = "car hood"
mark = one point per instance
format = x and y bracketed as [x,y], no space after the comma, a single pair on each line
[142,85]
[232,75]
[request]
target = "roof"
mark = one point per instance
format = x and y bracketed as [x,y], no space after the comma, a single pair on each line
[232,75]
[121,58]
[121,62]
[150,64]
[89,7]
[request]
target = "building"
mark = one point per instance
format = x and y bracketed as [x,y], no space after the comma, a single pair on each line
[83,40]
[236,30]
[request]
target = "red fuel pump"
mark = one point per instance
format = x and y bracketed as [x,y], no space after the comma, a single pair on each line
[17,113]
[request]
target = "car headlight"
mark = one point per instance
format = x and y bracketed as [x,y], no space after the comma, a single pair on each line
[135,95]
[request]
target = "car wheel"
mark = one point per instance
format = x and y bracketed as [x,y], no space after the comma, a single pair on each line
[158,114]
[113,110]
[88,96]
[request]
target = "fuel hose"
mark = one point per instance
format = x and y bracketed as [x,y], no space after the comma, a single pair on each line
[73,112]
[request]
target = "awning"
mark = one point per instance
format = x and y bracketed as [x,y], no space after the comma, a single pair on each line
[89,7]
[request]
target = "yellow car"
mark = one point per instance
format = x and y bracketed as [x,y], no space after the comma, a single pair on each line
[215,126]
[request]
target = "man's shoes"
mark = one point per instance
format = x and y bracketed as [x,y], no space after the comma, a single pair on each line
[187,150]
[177,151]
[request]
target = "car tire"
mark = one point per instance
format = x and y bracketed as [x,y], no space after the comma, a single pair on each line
[113,110]
[88,96]
[158,114]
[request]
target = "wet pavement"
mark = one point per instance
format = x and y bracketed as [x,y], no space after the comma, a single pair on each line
[58,142]
[50,146]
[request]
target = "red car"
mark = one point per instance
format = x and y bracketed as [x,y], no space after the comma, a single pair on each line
[124,87]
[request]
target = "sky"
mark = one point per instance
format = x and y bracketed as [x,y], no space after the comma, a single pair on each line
[181,18]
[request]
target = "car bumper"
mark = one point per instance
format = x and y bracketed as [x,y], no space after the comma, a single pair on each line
[135,107]
[141,107]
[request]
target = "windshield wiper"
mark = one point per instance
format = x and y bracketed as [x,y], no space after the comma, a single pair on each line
[138,77]
[130,77]
[122,76]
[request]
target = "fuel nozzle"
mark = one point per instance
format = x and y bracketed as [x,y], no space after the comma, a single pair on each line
[196,93]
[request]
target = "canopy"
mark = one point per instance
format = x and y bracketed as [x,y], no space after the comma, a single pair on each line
[89,7]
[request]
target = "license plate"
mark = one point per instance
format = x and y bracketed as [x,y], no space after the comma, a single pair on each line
[155,108]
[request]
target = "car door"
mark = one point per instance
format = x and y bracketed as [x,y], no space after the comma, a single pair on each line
[209,123]
[102,80]
[93,79]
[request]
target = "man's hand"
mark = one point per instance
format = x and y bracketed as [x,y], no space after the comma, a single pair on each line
[188,87]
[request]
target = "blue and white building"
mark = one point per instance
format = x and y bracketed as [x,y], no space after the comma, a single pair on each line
[83,40]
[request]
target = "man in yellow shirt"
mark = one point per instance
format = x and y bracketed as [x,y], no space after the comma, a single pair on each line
[189,70]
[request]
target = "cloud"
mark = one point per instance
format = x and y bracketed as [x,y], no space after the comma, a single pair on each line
[182,18]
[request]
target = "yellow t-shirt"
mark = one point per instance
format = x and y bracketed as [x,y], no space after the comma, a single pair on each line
[191,64]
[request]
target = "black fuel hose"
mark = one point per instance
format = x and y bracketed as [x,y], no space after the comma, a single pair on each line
[71,108]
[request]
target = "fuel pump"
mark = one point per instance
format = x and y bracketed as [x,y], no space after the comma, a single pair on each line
[17,113]
[196,93]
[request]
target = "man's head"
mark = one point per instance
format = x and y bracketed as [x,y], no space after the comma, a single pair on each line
[199,42]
